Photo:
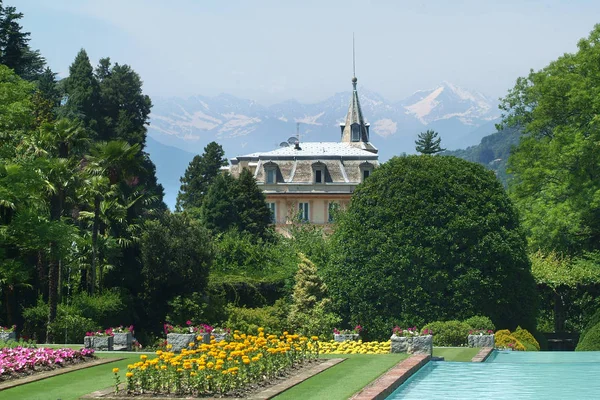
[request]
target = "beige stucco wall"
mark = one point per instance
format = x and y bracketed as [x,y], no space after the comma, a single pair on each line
[287,208]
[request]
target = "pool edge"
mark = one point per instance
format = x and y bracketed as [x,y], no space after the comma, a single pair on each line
[483,354]
[385,385]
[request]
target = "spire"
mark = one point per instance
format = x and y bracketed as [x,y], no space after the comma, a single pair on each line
[355,130]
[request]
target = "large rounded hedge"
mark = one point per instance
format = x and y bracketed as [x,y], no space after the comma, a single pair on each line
[430,238]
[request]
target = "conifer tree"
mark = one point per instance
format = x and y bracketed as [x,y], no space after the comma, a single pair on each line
[428,142]
[14,49]
[309,313]
[254,214]
[219,212]
[199,175]
[82,92]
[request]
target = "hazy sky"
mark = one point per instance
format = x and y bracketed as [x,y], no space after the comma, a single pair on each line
[271,50]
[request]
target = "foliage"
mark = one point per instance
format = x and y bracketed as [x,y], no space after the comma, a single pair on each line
[219,212]
[220,367]
[492,152]
[569,289]
[480,322]
[11,344]
[203,169]
[15,52]
[526,338]
[554,270]
[310,310]
[177,254]
[430,238]
[591,340]
[556,184]
[449,333]
[505,340]
[272,318]
[592,322]
[428,143]
[254,214]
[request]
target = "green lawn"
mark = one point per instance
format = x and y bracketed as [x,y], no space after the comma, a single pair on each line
[74,384]
[345,379]
[455,353]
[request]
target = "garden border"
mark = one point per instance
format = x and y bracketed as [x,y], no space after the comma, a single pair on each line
[483,354]
[267,393]
[55,372]
[391,380]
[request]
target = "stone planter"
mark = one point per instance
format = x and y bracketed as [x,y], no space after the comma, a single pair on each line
[481,341]
[6,336]
[180,341]
[204,338]
[102,343]
[123,341]
[342,337]
[220,337]
[412,344]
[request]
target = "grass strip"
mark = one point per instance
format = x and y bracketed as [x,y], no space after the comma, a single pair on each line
[74,384]
[345,379]
[464,354]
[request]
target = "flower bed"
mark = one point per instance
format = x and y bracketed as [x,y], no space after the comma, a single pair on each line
[219,368]
[354,347]
[21,361]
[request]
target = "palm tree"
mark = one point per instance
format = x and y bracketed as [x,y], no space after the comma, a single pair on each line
[114,161]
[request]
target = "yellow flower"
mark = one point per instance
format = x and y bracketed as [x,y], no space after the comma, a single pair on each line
[315,338]
[192,344]
[129,374]
[143,357]
[169,346]
[115,370]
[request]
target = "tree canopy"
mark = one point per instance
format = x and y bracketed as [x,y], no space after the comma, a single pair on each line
[430,238]
[556,184]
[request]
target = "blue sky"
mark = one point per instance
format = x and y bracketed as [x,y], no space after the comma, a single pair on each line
[270,50]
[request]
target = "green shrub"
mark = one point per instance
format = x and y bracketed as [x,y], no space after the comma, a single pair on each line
[449,333]
[426,239]
[527,339]
[595,320]
[504,339]
[69,323]
[11,344]
[248,320]
[480,322]
[591,340]
[106,309]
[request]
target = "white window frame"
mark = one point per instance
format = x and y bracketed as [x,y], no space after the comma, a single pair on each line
[273,207]
[304,211]
[270,172]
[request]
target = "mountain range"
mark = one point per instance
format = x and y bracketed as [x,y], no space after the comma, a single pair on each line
[181,127]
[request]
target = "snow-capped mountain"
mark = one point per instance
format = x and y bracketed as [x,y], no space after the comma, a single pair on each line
[242,126]
[449,101]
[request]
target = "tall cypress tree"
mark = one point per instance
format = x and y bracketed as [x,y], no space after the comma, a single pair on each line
[123,106]
[254,214]
[219,211]
[199,175]
[82,92]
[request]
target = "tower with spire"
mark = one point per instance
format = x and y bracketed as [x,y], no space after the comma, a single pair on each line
[355,130]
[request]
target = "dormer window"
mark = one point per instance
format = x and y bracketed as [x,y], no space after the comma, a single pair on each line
[319,170]
[366,169]
[355,132]
[270,173]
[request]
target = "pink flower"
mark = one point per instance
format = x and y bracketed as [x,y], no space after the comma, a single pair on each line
[188,322]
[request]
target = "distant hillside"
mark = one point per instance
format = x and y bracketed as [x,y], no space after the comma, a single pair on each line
[171,164]
[493,152]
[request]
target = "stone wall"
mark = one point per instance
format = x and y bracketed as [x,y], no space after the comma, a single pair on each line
[412,344]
